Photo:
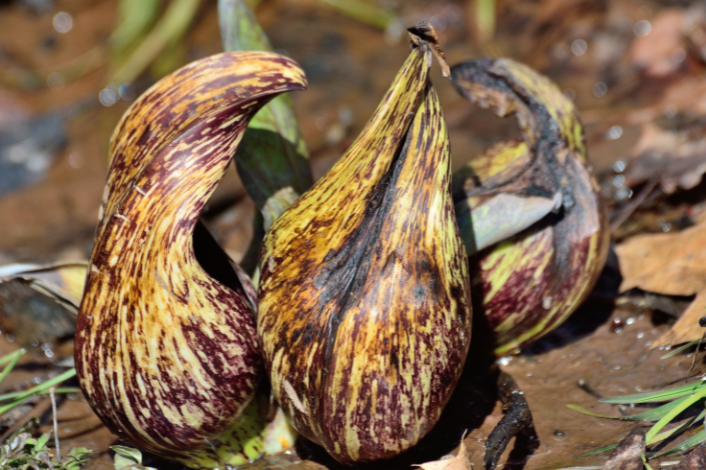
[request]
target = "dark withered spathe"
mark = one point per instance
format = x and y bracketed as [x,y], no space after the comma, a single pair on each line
[364,311]
[541,190]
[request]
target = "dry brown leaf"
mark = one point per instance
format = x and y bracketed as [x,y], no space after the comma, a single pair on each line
[669,264]
[676,158]
[459,462]
[656,52]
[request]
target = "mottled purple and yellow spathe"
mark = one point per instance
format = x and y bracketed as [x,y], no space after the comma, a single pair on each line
[364,312]
[168,356]
[528,284]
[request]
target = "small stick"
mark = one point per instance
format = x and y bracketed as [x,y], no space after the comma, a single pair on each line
[633,205]
[56,426]
[702,324]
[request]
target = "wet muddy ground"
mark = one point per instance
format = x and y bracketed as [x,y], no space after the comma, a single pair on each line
[595,51]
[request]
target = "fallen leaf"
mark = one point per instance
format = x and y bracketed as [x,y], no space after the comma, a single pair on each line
[676,158]
[656,49]
[628,454]
[459,462]
[669,264]
[61,281]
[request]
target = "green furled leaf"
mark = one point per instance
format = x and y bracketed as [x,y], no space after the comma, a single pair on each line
[272,159]
[171,27]
[135,17]
[365,12]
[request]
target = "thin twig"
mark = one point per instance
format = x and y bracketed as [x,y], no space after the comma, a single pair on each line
[56,426]
[627,211]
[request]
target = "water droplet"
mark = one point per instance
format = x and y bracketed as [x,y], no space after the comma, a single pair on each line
[49,353]
[614,133]
[670,111]
[76,160]
[126,92]
[579,47]
[38,162]
[642,28]
[63,22]
[619,181]
[678,55]
[600,89]
[503,361]
[623,193]
[640,335]
[345,115]
[10,337]
[108,96]
[547,302]
[620,166]
[570,93]
[55,81]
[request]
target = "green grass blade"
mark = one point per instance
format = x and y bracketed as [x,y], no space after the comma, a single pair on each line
[657,396]
[690,443]
[9,357]
[13,358]
[58,391]
[672,432]
[602,449]
[658,413]
[583,410]
[680,349]
[666,419]
[650,415]
[644,461]
[36,390]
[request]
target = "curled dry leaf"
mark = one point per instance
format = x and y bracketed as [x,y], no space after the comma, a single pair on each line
[541,187]
[458,462]
[61,281]
[669,264]
[166,348]
[364,310]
